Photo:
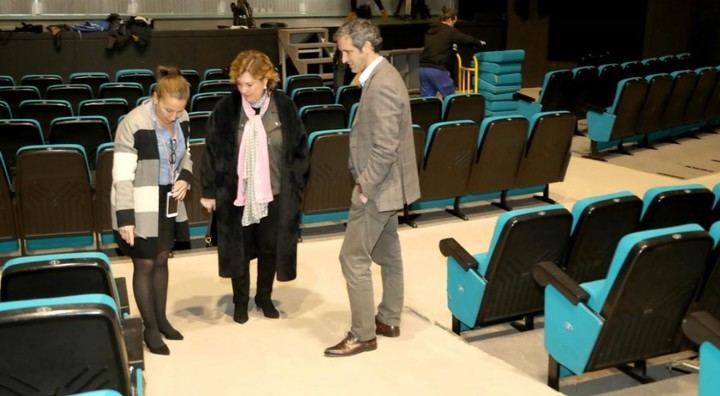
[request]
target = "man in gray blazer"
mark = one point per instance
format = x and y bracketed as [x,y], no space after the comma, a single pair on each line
[382,163]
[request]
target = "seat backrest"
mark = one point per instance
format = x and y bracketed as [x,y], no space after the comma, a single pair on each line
[522,238]
[103,185]
[652,66]
[17,133]
[500,149]
[87,131]
[111,109]
[347,95]
[312,96]
[653,277]
[419,143]
[8,226]
[557,91]
[215,86]
[73,93]
[216,73]
[45,111]
[323,117]
[193,78]
[447,158]
[629,98]
[52,187]
[467,106]
[198,124]
[85,351]
[675,205]
[6,81]
[547,152]
[683,86]
[301,81]
[658,92]
[15,95]
[206,101]
[41,81]
[93,79]
[425,111]
[329,185]
[608,77]
[584,83]
[130,91]
[5,110]
[197,215]
[695,111]
[712,108]
[144,77]
[632,69]
[598,225]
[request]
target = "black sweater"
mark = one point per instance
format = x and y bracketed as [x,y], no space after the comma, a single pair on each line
[438,45]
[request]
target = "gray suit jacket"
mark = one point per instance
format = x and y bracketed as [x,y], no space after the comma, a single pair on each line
[382,152]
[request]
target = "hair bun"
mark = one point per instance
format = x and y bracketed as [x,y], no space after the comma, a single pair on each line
[166,71]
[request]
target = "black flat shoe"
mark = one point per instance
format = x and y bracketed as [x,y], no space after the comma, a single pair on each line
[154,342]
[240,315]
[170,332]
[268,308]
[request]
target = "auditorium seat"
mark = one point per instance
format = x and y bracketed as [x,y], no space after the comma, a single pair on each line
[631,315]
[16,133]
[683,87]
[312,96]
[93,79]
[5,111]
[69,345]
[583,86]
[555,94]
[347,95]
[199,124]
[352,113]
[292,83]
[608,77]
[6,81]
[323,117]
[14,95]
[45,111]
[465,106]
[712,108]
[8,225]
[703,329]
[193,78]
[144,77]
[499,150]
[130,91]
[112,109]
[632,69]
[54,197]
[496,286]
[329,184]
[215,86]
[658,92]
[652,66]
[103,185]
[425,111]
[695,110]
[215,73]
[609,127]
[598,225]
[73,93]
[62,275]
[675,205]
[709,297]
[547,152]
[87,131]
[41,81]
[206,101]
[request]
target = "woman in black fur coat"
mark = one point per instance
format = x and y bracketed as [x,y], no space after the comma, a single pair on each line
[256,133]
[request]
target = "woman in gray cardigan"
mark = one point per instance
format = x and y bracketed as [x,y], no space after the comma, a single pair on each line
[151,174]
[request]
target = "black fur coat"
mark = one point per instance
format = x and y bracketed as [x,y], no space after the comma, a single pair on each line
[219,174]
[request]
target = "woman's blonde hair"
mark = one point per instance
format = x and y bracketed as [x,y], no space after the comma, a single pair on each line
[171,83]
[257,64]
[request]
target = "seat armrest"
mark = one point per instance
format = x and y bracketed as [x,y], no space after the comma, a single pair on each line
[121,285]
[547,272]
[701,326]
[132,332]
[449,247]
[523,97]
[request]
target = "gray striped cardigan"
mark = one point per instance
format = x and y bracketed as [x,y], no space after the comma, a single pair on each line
[136,167]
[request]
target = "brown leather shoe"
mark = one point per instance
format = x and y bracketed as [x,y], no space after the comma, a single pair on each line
[350,345]
[386,330]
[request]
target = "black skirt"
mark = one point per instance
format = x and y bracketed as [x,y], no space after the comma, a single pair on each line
[169,231]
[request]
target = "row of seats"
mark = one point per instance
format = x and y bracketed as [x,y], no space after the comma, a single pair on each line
[457,160]
[582,256]
[70,313]
[585,87]
[655,107]
[144,77]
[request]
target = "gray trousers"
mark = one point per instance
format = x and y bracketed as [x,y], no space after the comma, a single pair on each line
[372,236]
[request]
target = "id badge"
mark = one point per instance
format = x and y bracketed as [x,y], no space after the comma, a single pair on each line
[171,206]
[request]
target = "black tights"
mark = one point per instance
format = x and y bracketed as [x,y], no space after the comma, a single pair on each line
[150,286]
